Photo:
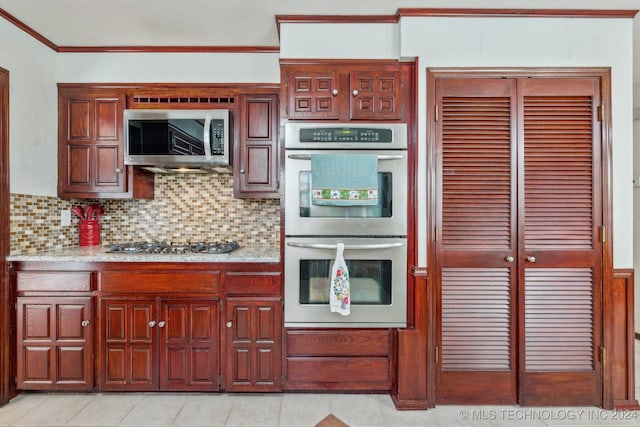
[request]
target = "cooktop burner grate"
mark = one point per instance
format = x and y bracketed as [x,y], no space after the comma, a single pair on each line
[162,247]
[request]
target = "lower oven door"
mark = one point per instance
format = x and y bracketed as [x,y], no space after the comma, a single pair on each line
[377,271]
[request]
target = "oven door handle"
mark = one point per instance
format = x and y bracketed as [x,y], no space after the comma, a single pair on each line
[349,247]
[380,157]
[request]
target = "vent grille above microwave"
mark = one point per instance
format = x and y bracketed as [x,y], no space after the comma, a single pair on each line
[199,101]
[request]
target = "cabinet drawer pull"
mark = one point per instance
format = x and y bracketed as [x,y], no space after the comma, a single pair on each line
[334,92]
[509,258]
[85,323]
[229,324]
[531,259]
[152,323]
[355,92]
[161,324]
[118,170]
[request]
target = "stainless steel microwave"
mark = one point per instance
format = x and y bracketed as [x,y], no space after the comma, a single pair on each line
[173,139]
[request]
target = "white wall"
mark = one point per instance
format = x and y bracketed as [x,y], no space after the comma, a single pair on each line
[33,111]
[500,42]
[168,68]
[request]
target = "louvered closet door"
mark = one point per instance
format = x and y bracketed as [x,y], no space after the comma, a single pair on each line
[476,248]
[559,246]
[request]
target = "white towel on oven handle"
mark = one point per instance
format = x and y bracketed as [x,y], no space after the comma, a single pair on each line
[340,288]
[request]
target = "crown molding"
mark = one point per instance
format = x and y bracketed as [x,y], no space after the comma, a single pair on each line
[515,13]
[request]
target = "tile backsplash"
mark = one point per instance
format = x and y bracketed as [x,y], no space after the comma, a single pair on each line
[186,208]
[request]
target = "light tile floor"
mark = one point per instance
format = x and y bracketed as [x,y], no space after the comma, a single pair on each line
[286,409]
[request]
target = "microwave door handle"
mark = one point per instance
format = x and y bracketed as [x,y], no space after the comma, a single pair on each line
[207,137]
[330,246]
[380,157]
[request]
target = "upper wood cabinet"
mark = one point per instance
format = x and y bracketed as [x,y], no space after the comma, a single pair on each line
[256,156]
[345,90]
[91,147]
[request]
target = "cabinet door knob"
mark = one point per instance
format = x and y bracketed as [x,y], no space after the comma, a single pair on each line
[152,323]
[335,92]
[355,92]
[508,258]
[118,170]
[229,324]
[242,171]
[85,323]
[161,324]
[531,259]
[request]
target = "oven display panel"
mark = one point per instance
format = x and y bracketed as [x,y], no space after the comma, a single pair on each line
[359,134]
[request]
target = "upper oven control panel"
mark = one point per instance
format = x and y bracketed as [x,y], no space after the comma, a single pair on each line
[366,136]
[346,134]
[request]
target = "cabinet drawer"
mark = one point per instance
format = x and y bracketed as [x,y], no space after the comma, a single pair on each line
[339,342]
[338,373]
[76,281]
[252,283]
[166,282]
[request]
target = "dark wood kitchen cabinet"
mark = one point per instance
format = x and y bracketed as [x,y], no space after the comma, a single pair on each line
[159,330]
[54,331]
[256,168]
[160,344]
[91,146]
[338,359]
[253,332]
[344,90]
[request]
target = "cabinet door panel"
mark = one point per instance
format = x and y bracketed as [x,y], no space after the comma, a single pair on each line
[70,364]
[69,322]
[55,343]
[37,365]
[37,322]
[253,344]
[129,345]
[257,157]
[79,165]
[313,94]
[108,162]
[79,120]
[142,365]
[189,345]
[241,367]
[257,174]
[376,95]
[108,118]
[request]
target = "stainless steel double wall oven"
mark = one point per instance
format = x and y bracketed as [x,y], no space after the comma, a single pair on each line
[374,237]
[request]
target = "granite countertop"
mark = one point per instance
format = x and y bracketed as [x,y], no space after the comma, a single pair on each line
[100,254]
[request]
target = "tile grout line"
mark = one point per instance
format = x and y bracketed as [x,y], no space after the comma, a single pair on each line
[80,410]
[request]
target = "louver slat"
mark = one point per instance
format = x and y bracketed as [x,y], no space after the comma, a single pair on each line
[476,169]
[559,319]
[475,319]
[558,139]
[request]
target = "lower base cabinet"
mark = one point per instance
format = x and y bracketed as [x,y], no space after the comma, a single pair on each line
[338,359]
[55,343]
[160,344]
[253,344]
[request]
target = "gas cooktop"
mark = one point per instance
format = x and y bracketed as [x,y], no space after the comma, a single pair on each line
[174,248]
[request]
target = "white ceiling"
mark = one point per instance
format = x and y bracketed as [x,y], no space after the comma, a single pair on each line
[221,22]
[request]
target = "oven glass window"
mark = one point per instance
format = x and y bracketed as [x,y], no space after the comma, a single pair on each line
[370,281]
[382,210]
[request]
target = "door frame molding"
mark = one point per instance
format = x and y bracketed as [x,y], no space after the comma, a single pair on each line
[604,74]
[7,347]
